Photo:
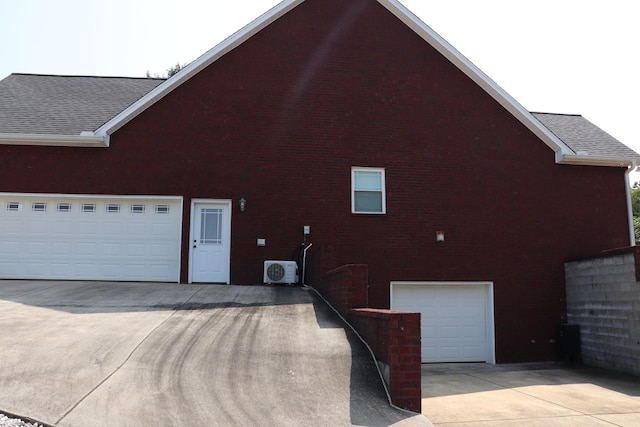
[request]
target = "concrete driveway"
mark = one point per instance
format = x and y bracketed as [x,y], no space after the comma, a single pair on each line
[127,354]
[531,395]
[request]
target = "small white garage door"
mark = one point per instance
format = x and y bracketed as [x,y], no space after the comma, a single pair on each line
[456,319]
[90,237]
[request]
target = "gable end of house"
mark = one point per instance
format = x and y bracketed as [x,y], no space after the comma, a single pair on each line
[605,151]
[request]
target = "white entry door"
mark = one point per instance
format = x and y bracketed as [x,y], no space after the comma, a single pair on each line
[210,242]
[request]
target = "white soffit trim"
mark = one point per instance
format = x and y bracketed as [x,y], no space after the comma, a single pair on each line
[82,140]
[586,160]
[195,67]
[473,72]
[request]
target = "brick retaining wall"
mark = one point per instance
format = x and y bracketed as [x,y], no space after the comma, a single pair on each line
[393,336]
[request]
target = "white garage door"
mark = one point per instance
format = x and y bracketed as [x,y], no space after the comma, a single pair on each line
[90,237]
[456,319]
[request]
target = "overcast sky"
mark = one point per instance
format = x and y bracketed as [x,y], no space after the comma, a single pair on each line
[560,56]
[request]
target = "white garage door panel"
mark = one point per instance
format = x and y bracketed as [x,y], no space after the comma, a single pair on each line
[456,320]
[137,244]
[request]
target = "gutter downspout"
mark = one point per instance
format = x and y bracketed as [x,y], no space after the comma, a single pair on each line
[632,234]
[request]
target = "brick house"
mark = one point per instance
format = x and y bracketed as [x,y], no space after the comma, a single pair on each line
[350,117]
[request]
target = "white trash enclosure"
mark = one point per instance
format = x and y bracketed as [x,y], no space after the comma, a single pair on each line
[69,237]
[456,318]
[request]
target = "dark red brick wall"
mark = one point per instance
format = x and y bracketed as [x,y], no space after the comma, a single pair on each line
[345,287]
[394,338]
[334,84]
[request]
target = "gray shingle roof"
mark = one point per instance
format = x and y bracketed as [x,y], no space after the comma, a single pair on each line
[65,105]
[585,138]
[69,105]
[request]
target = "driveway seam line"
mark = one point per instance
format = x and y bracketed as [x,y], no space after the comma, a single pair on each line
[126,359]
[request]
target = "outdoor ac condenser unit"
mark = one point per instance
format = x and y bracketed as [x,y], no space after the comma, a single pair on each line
[280,272]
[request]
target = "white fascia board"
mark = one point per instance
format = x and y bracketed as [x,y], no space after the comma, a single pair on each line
[585,160]
[479,77]
[82,140]
[195,67]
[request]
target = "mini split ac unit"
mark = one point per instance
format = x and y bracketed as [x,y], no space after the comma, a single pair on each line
[280,272]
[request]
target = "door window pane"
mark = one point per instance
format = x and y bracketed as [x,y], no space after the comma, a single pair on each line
[113,207]
[211,226]
[39,206]
[162,209]
[13,206]
[138,208]
[64,207]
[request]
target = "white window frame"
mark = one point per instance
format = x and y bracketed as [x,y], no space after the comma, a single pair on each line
[39,206]
[162,209]
[88,208]
[112,208]
[14,206]
[63,207]
[382,190]
[138,208]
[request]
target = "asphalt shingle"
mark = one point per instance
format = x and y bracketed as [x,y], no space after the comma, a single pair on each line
[585,138]
[69,105]
[65,105]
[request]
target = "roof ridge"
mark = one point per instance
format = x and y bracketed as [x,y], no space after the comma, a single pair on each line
[86,76]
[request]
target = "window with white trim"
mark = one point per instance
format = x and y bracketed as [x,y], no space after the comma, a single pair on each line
[162,209]
[14,206]
[112,207]
[39,206]
[368,191]
[63,207]
[138,208]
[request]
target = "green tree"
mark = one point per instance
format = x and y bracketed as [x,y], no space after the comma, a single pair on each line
[171,71]
[635,207]
[635,198]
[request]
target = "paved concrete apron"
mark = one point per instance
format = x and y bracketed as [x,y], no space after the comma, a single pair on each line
[116,354]
[541,394]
